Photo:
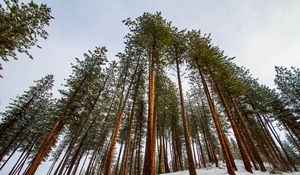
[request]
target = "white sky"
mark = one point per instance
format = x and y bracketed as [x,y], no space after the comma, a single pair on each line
[259,33]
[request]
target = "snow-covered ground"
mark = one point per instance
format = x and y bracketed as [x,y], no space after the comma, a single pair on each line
[222,171]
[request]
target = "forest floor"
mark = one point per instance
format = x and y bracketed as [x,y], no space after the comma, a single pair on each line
[221,170]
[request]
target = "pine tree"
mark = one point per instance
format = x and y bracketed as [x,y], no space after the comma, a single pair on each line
[150,32]
[23,111]
[103,106]
[178,50]
[21,26]
[288,84]
[197,46]
[84,73]
[124,95]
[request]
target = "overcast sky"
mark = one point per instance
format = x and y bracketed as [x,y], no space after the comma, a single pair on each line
[259,33]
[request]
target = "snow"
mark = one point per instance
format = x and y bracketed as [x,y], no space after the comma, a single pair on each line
[223,171]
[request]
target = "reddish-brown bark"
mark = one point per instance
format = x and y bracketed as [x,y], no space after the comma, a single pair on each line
[128,145]
[245,127]
[167,169]
[236,131]
[217,122]
[44,149]
[149,163]
[192,169]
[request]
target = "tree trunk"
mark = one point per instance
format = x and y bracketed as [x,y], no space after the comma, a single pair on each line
[192,169]
[194,152]
[254,162]
[138,169]
[59,170]
[54,162]
[173,153]
[118,160]
[271,127]
[108,162]
[210,147]
[57,127]
[292,136]
[207,147]
[22,162]
[87,117]
[8,146]
[178,149]
[88,169]
[121,172]
[132,162]
[74,158]
[202,159]
[139,147]
[245,127]
[160,155]
[17,115]
[175,161]
[20,167]
[149,163]
[128,147]
[44,149]
[26,157]
[13,152]
[220,132]
[83,164]
[77,163]
[165,153]
[235,129]
[17,163]
[284,166]
[63,159]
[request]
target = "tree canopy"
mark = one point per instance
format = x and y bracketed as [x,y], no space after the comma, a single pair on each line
[129,116]
[21,25]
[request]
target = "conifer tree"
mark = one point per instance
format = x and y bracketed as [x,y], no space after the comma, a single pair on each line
[199,47]
[177,53]
[288,84]
[21,25]
[84,73]
[126,89]
[150,32]
[23,111]
[103,107]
